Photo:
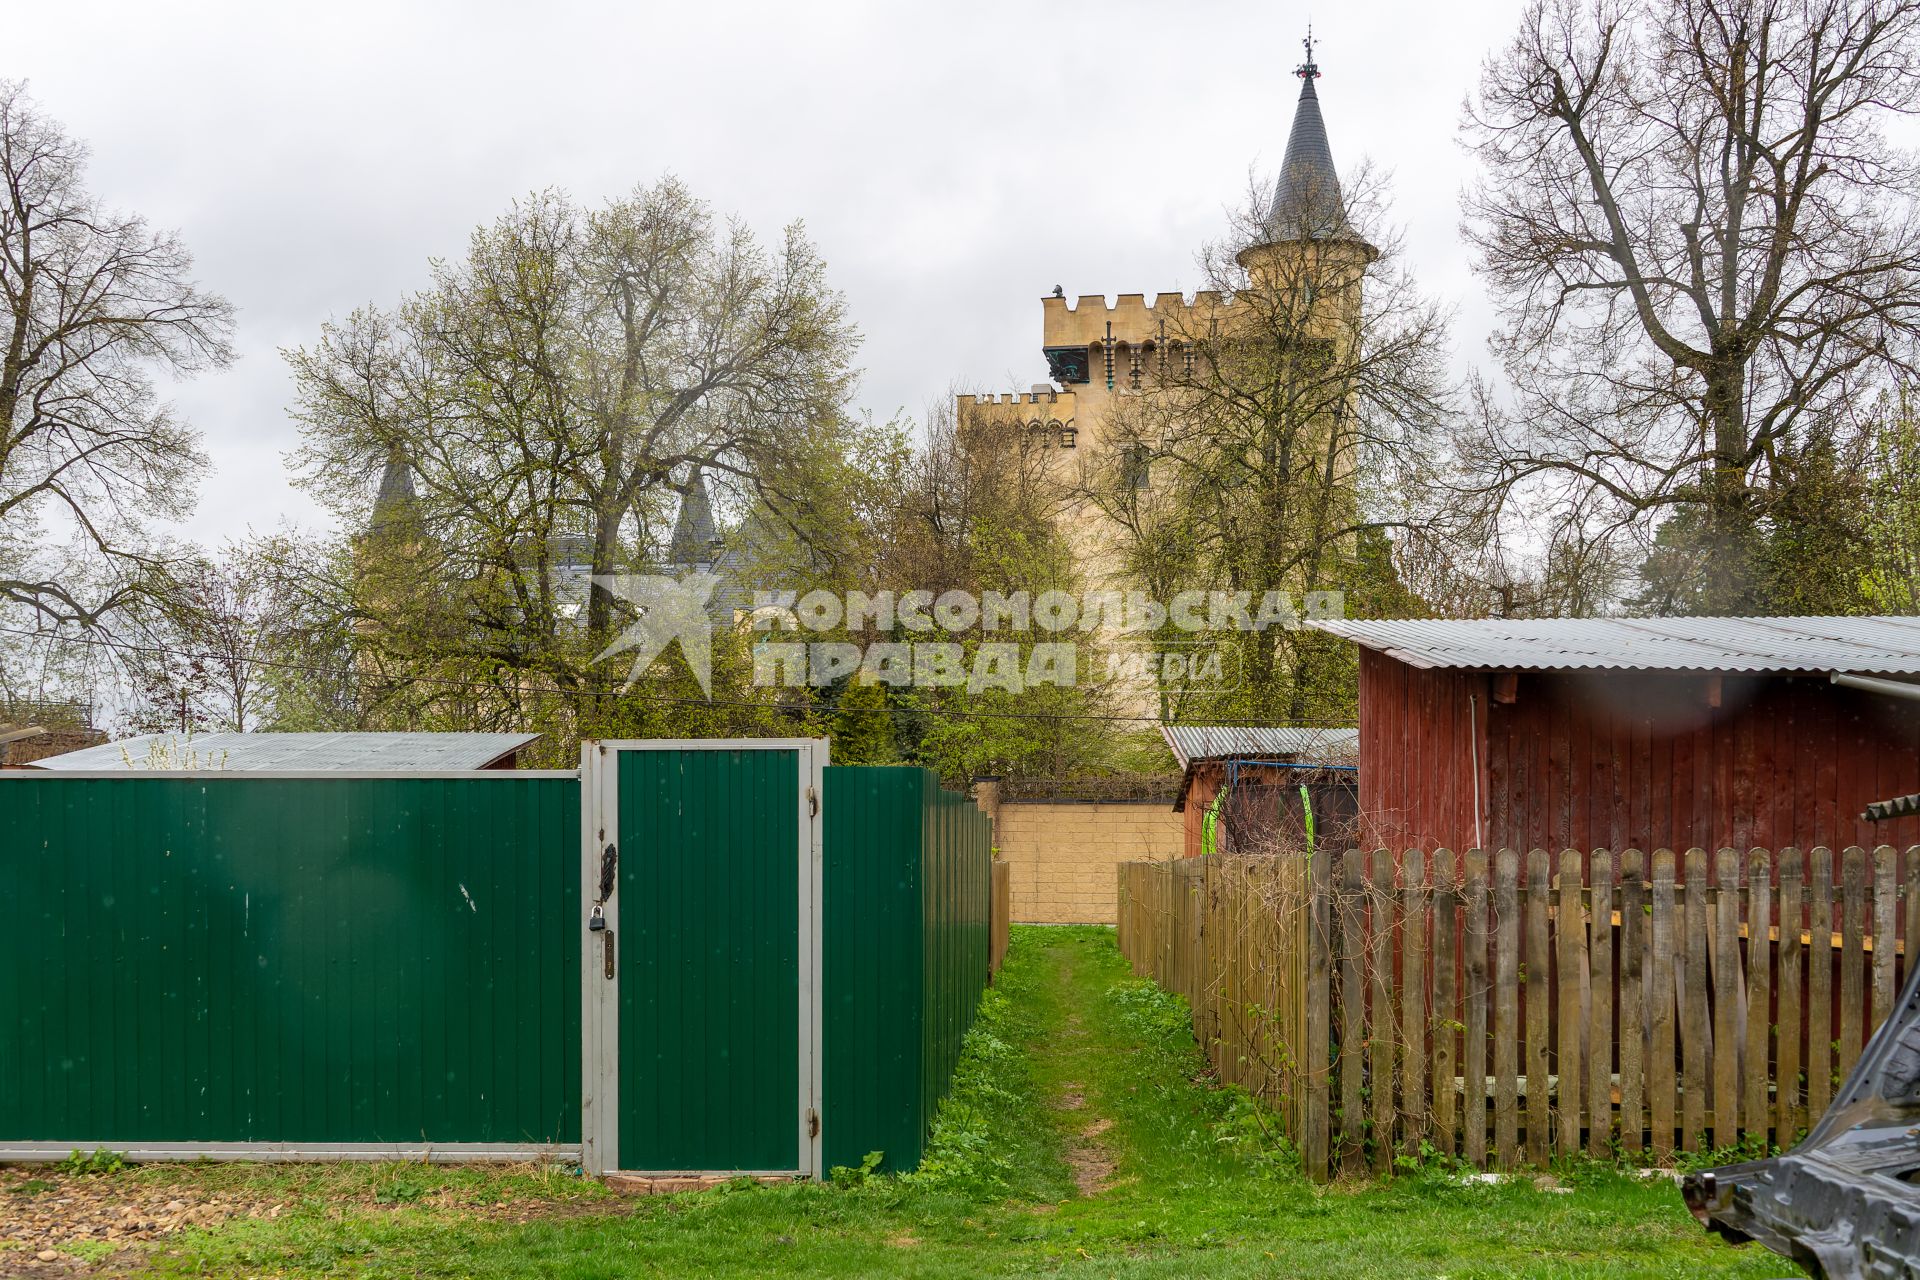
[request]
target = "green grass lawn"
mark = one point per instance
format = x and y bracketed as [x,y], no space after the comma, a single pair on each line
[1083,1138]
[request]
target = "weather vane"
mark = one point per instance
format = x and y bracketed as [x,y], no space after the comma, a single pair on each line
[1308,70]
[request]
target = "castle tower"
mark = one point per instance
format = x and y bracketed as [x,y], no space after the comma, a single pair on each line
[1308,246]
[1099,353]
[1100,421]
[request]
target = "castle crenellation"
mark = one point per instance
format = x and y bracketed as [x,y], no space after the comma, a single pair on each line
[1013,398]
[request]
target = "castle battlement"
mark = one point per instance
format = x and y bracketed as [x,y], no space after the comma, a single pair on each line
[1135,321]
[990,400]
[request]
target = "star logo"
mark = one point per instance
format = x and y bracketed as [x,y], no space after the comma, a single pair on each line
[665,610]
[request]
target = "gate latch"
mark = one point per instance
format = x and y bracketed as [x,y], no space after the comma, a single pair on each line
[609,861]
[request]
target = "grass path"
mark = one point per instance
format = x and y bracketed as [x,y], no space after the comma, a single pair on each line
[1082,1139]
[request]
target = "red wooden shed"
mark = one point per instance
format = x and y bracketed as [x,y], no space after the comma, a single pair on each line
[1645,733]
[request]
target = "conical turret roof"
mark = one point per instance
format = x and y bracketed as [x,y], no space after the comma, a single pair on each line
[693,530]
[1307,204]
[396,507]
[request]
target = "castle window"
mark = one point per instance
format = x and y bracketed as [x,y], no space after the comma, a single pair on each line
[1069,436]
[1136,467]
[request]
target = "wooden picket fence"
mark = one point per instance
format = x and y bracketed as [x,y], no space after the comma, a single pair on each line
[1507,1008]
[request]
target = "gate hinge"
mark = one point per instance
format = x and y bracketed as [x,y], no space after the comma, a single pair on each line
[813,1123]
[813,803]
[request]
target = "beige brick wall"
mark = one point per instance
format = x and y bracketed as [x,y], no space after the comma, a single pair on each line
[1064,858]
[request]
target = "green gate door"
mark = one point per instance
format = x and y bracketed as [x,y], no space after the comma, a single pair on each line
[703,955]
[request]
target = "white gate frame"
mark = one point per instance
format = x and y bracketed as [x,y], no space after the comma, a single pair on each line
[600,996]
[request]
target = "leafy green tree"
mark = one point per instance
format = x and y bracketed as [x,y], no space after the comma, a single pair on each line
[550,400]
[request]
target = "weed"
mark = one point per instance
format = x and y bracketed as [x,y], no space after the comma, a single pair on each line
[848,1177]
[102,1161]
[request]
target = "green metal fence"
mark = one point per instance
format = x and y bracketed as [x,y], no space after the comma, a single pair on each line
[354,961]
[290,960]
[907,876]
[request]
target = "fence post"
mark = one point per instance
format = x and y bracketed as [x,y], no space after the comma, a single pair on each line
[1353,1019]
[1820,962]
[1633,1009]
[1413,1001]
[1660,1001]
[1570,938]
[1787,1077]
[1446,1015]
[1473,1055]
[1380,1014]
[1319,1030]
[1506,1008]
[1754,1108]
[1600,1005]
[1539,963]
[1853,995]
[1694,1040]
[1885,906]
[1726,997]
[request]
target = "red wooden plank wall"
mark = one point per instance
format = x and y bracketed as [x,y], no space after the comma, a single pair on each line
[1418,753]
[1620,759]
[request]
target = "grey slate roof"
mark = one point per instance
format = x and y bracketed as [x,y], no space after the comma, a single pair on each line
[1877,645]
[324,752]
[1307,204]
[1191,742]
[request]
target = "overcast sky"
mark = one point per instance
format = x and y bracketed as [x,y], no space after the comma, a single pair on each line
[953,162]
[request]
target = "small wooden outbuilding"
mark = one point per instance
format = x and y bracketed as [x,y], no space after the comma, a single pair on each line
[1263,787]
[1644,733]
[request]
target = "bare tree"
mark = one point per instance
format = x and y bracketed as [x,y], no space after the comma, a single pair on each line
[93,303]
[1704,252]
[207,658]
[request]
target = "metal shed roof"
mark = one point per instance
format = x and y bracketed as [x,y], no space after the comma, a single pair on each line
[1192,742]
[321,752]
[1882,645]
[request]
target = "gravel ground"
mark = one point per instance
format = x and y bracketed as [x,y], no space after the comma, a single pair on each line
[53,1224]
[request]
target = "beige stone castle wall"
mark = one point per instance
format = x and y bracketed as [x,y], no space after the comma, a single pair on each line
[1064,859]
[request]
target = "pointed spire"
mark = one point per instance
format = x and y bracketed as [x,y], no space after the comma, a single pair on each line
[693,531]
[396,507]
[1307,204]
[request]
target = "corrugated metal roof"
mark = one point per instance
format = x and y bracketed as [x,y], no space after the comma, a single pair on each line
[1879,645]
[250,752]
[1192,742]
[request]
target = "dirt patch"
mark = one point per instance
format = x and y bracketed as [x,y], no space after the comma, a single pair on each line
[1091,1163]
[904,1241]
[1088,1157]
[1071,1099]
[54,1224]
[50,1224]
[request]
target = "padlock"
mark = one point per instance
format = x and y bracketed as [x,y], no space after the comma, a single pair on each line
[597,921]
